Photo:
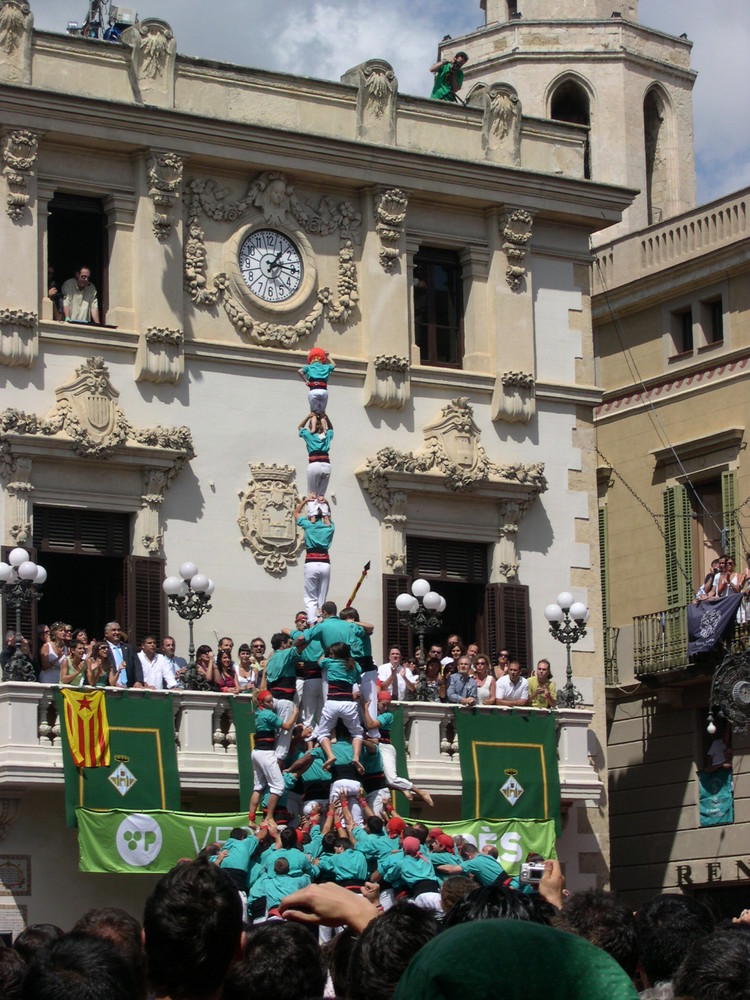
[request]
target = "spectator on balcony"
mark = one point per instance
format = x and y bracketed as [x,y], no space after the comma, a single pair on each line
[542,689]
[485,680]
[226,676]
[387,672]
[73,666]
[512,689]
[129,670]
[472,651]
[450,663]
[435,680]
[80,302]
[178,664]
[157,673]
[245,670]
[462,689]
[406,679]
[225,643]
[708,582]
[52,654]
[100,666]
[501,667]
[206,667]
[720,587]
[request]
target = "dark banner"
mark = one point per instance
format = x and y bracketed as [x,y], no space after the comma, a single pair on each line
[508,765]
[710,621]
[400,802]
[142,773]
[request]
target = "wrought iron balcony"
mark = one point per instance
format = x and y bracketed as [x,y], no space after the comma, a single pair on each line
[661,641]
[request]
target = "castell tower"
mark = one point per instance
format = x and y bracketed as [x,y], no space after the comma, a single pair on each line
[591,63]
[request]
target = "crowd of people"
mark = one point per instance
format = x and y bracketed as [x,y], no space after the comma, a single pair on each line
[489,940]
[722,579]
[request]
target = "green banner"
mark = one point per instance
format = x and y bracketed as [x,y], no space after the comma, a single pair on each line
[154,841]
[146,842]
[243,713]
[508,765]
[400,802]
[142,773]
[514,839]
[716,797]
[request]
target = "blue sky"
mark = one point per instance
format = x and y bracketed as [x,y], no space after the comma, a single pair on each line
[323,38]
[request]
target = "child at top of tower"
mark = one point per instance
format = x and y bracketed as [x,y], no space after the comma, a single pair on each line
[316,373]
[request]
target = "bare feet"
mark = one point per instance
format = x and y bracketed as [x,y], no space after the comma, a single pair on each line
[359,766]
[328,764]
[424,796]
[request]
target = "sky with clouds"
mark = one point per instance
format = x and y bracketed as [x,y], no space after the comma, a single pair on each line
[324,38]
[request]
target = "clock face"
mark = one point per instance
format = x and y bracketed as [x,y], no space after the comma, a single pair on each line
[271,265]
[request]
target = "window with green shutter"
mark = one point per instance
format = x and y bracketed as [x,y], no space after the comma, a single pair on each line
[728,508]
[678,546]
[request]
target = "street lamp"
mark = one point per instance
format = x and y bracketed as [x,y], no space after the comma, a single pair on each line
[567,623]
[189,594]
[19,579]
[420,612]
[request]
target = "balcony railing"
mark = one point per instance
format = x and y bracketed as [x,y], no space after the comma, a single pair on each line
[661,641]
[30,748]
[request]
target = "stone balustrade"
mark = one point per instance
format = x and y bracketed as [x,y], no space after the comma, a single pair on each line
[30,746]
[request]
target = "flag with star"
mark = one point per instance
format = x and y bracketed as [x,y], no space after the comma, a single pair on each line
[86,727]
[142,770]
[508,765]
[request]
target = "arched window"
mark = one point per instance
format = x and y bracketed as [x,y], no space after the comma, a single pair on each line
[655,137]
[570,103]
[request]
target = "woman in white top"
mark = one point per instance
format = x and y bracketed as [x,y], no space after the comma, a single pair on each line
[485,680]
[247,675]
[51,655]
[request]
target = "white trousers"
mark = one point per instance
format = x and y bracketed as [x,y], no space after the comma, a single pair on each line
[284,710]
[350,789]
[377,800]
[312,701]
[347,711]
[266,771]
[368,688]
[318,400]
[388,753]
[317,578]
[318,477]
[428,901]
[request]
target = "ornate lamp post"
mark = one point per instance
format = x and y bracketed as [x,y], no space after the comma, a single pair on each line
[189,594]
[18,584]
[421,612]
[567,623]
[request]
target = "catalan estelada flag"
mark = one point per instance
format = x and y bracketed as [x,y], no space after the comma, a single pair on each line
[86,726]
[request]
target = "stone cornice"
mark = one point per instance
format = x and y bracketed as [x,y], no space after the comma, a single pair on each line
[596,205]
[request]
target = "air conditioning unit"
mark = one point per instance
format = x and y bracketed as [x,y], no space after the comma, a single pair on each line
[123,17]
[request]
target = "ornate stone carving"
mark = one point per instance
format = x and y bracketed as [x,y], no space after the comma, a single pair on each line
[16,31]
[394,524]
[19,156]
[266,517]
[452,454]
[387,383]
[501,124]
[18,491]
[511,513]
[19,338]
[86,411]
[515,229]
[160,356]
[155,482]
[514,398]
[154,51]
[390,213]
[164,172]
[10,807]
[377,95]
[273,196]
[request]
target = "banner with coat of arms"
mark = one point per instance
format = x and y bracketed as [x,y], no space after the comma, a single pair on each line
[508,766]
[142,772]
[710,621]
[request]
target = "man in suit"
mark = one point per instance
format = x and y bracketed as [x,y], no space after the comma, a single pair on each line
[124,656]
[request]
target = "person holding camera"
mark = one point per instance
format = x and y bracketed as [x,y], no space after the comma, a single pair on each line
[449,77]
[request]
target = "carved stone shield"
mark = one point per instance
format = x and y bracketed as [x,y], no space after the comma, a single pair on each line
[266,517]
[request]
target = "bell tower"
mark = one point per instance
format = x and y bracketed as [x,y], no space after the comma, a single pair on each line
[591,62]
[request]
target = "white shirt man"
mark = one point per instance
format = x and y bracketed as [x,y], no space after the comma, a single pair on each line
[403,690]
[157,673]
[512,689]
[388,672]
[177,664]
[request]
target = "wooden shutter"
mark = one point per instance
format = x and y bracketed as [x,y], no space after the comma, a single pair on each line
[81,531]
[28,612]
[145,603]
[394,634]
[678,546]
[508,622]
[729,511]
[444,559]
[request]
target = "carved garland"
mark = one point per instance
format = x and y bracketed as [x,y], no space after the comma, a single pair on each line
[390,213]
[391,363]
[274,197]
[163,335]
[164,173]
[19,156]
[516,231]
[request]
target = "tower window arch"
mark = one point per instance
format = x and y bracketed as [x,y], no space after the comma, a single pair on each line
[570,103]
[656,141]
